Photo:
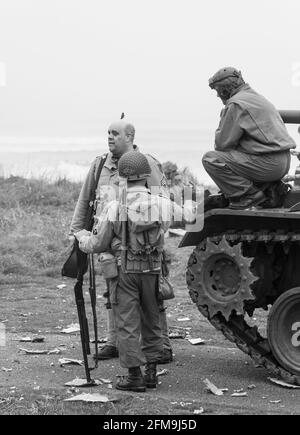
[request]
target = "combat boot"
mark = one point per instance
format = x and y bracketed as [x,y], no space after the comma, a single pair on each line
[151,379]
[166,357]
[248,201]
[133,382]
[107,352]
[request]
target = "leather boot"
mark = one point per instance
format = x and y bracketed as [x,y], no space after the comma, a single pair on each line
[107,352]
[166,357]
[248,201]
[133,382]
[151,379]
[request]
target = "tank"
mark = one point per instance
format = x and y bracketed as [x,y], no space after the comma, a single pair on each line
[249,260]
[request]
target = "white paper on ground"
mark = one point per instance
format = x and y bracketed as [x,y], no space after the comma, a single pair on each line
[105,381]
[212,388]
[34,352]
[71,329]
[81,383]
[91,398]
[164,372]
[199,411]
[196,341]
[67,361]
[61,286]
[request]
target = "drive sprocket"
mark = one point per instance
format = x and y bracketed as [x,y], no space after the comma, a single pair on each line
[222,277]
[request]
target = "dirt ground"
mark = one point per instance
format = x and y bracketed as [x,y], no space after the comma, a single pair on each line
[31,384]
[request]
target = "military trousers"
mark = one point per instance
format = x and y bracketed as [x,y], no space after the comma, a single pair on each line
[235,172]
[136,313]
[112,330]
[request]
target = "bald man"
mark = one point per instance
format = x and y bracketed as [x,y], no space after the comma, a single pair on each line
[120,141]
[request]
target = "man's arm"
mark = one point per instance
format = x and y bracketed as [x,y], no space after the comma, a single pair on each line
[229,131]
[103,234]
[80,214]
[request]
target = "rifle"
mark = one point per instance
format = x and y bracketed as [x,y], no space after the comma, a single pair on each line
[84,328]
[75,267]
[92,291]
[124,218]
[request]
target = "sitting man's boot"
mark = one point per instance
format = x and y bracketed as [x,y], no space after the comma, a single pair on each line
[107,352]
[166,357]
[248,201]
[151,379]
[133,382]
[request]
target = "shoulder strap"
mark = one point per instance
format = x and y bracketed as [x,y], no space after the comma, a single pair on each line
[97,176]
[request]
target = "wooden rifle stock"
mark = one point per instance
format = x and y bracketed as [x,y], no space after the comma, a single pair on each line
[92,291]
[83,323]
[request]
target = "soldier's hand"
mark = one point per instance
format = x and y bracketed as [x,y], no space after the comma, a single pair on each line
[81,234]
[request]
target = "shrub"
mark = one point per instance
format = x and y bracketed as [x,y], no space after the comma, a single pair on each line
[34,223]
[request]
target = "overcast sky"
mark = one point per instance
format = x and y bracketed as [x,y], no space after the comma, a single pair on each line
[72,66]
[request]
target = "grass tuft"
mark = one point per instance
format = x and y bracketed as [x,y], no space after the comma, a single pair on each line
[34,224]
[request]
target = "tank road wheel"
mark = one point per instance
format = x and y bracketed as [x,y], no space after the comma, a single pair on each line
[220,278]
[284,330]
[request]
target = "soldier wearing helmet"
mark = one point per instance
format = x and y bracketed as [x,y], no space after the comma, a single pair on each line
[134,166]
[171,171]
[135,226]
[252,145]
[121,136]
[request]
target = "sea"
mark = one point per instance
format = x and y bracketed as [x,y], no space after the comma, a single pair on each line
[52,158]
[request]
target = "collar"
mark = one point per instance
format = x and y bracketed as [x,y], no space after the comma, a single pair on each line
[239,89]
[112,162]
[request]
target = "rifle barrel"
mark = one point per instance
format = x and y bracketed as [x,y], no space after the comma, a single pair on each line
[290,116]
[84,332]
[92,290]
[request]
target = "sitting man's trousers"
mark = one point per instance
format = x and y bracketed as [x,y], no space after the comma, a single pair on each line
[235,172]
[136,313]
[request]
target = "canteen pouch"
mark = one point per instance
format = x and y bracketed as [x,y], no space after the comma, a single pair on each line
[165,289]
[108,265]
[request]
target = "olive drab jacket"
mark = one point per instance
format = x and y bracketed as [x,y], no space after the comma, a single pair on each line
[251,124]
[145,213]
[148,217]
[108,187]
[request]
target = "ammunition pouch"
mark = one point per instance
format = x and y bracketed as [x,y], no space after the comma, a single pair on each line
[139,262]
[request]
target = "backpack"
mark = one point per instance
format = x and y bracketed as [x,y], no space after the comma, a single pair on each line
[142,240]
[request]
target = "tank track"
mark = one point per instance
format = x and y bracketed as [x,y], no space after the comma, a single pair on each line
[236,329]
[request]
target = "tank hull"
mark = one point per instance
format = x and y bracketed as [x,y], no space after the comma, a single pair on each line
[244,261]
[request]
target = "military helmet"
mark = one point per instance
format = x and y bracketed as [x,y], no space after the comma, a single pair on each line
[224,74]
[134,166]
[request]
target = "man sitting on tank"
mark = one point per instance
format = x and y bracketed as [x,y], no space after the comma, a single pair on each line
[252,144]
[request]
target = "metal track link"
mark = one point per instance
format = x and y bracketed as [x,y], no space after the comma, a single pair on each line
[236,329]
